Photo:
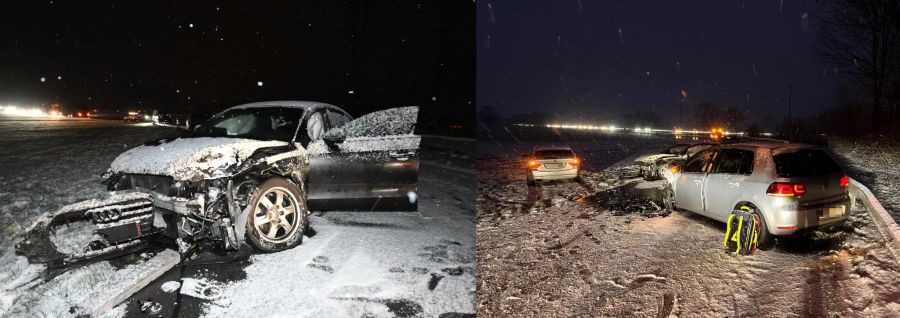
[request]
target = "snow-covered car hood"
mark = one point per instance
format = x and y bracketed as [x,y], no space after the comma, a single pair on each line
[653,157]
[189,158]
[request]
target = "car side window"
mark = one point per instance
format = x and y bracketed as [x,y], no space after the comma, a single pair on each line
[735,161]
[393,121]
[698,162]
[336,119]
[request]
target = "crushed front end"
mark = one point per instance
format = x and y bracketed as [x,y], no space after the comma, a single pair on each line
[189,212]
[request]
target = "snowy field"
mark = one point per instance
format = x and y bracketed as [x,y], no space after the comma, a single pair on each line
[877,165]
[379,264]
[602,247]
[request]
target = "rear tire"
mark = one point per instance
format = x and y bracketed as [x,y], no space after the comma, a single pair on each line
[278,216]
[765,240]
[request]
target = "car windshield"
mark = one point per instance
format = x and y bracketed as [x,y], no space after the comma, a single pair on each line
[804,163]
[271,123]
[676,149]
[554,154]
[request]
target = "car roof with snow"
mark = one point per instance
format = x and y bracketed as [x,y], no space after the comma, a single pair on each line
[305,105]
[773,146]
[537,148]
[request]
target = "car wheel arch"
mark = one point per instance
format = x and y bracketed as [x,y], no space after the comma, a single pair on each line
[743,202]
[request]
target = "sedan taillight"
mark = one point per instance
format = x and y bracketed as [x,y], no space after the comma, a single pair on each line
[786,189]
[533,164]
[574,162]
[845,181]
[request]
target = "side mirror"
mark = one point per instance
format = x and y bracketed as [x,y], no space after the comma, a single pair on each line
[334,136]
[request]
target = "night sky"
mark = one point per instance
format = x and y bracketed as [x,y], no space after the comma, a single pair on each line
[208,55]
[568,59]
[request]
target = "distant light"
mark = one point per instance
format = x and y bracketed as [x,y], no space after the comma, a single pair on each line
[146,117]
[433,98]
[350,92]
[59,77]
[130,113]
[43,79]
[260,83]
[191,25]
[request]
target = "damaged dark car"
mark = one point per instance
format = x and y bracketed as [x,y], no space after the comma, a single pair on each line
[250,175]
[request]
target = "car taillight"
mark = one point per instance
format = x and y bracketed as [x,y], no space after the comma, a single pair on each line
[786,189]
[844,181]
[533,164]
[574,162]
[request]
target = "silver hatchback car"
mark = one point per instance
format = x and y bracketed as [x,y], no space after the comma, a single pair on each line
[791,186]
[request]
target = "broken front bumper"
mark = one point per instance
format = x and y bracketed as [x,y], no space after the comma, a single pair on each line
[122,222]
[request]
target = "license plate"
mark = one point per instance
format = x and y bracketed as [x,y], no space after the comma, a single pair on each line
[833,212]
[553,165]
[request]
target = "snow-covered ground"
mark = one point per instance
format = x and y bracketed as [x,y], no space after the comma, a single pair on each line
[371,264]
[875,164]
[45,165]
[595,248]
[377,264]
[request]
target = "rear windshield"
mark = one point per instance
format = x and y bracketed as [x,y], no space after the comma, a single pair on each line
[804,163]
[554,154]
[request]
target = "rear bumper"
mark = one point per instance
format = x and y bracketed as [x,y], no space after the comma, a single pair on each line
[789,219]
[554,174]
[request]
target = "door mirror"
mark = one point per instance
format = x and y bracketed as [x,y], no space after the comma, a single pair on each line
[334,136]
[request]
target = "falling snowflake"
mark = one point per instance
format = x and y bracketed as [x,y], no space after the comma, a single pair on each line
[621,38]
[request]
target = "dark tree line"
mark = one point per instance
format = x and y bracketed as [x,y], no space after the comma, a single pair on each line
[860,39]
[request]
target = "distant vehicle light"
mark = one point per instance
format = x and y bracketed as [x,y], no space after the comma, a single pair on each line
[133,113]
[845,181]
[146,117]
[78,114]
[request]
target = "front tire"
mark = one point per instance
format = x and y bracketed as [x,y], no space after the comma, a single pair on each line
[278,216]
